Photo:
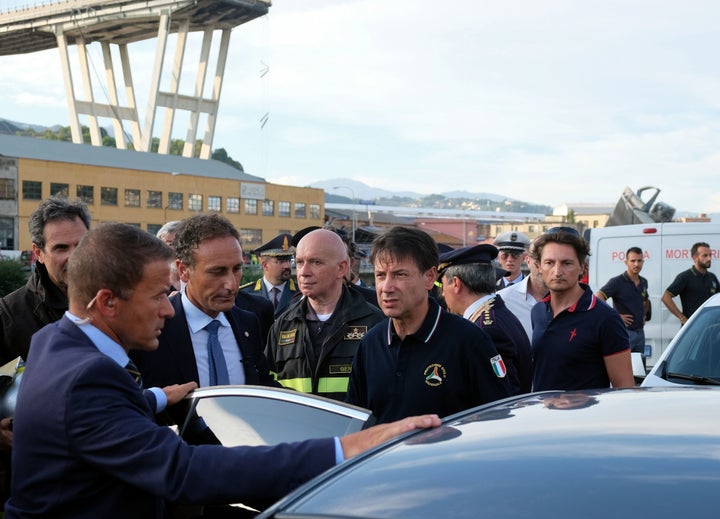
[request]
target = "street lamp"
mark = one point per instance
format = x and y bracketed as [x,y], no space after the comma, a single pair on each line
[354,215]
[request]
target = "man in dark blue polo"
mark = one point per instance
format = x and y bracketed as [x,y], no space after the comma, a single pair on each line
[579,342]
[629,293]
[421,356]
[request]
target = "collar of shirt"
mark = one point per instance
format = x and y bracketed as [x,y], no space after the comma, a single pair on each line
[269,286]
[102,342]
[586,302]
[196,318]
[509,282]
[477,304]
[427,328]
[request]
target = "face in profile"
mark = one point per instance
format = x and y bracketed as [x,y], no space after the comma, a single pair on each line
[141,317]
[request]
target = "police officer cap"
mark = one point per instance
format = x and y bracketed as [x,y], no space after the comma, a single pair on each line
[512,241]
[482,253]
[443,248]
[302,232]
[279,246]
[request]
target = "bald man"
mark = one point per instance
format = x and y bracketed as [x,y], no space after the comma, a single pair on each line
[311,346]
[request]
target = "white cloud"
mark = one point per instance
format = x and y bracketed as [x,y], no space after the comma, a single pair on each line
[549,101]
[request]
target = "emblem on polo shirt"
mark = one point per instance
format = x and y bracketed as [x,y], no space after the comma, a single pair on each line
[355,333]
[434,375]
[287,338]
[498,366]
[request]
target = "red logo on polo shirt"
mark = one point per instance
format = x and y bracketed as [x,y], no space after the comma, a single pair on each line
[573,333]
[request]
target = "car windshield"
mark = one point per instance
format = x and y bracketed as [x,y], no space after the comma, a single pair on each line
[695,358]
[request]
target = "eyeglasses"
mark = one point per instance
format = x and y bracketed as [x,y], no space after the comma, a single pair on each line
[280,261]
[568,230]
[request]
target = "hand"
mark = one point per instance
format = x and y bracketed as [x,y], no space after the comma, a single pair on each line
[627,319]
[177,392]
[359,442]
[6,434]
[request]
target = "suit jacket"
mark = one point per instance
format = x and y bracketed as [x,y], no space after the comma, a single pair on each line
[173,362]
[85,444]
[260,306]
[288,293]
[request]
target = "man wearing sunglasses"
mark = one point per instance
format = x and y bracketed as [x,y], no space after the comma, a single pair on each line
[512,251]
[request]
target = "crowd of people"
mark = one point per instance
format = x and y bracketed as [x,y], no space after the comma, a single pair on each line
[115,327]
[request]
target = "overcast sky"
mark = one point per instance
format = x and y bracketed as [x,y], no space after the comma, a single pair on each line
[544,101]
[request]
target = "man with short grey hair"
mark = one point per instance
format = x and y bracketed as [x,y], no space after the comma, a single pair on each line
[468,287]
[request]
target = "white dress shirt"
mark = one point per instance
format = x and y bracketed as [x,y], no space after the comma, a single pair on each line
[196,321]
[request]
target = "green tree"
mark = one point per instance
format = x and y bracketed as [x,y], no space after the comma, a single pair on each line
[12,276]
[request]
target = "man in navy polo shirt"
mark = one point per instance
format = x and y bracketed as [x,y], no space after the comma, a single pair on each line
[579,342]
[629,293]
[421,356]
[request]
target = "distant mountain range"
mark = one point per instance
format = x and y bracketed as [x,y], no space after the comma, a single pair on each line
[11,127]
[348,189]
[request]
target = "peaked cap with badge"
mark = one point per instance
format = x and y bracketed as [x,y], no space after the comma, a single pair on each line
[279,246]
[482,253]
[512,241]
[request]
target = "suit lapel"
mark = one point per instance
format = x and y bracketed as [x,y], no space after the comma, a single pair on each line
[178,336]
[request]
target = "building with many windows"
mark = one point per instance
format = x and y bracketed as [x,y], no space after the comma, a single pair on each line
[143,189]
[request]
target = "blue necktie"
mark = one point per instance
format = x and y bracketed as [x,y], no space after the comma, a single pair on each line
[216,360]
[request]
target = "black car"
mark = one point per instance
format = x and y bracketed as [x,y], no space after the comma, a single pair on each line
[643,452]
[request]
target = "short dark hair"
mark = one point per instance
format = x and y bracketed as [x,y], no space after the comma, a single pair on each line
[55,208]
[478,277]
[400,243]
[192,231]
[112,256]
[636,250]
[696,246]
[577,242]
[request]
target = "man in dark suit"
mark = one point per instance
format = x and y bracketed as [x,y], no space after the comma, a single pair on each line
[277,284]
[209,263]
[86,445]
[260,306]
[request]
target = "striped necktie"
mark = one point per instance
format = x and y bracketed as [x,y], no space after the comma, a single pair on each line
[275,296]
[134,372]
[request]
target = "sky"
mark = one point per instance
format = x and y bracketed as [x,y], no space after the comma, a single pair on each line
[546,101]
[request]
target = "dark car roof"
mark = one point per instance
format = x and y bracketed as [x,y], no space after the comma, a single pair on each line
[637,452]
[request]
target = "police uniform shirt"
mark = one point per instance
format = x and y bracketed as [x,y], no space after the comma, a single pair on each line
[448,365]
[508,336]
[693,288]
[628,298]
[569,350]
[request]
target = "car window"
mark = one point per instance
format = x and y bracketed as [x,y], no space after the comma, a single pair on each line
[697,351]
[248,415]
